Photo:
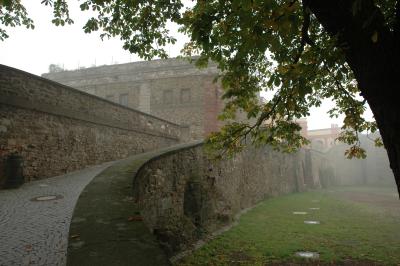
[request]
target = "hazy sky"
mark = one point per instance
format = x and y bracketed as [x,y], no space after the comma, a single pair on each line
[34,50]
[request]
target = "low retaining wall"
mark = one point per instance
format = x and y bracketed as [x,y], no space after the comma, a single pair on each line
[184,196]
[57,129]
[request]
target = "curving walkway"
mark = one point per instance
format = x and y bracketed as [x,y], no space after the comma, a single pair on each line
[107,227]
[97,223]
[36,232]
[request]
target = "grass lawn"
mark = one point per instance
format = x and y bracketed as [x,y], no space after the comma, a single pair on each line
[357,227]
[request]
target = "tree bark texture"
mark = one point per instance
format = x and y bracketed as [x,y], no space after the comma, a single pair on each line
[372,51]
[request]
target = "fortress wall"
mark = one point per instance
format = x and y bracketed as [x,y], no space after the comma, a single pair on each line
[184,196]
[373,170]
[189,109]
[172,89]
[57,129]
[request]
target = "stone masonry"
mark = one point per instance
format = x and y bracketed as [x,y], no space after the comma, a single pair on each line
[57,129]
[172,89]
[184,196]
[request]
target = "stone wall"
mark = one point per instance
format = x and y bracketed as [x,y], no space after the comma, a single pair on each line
[373,170]
[57,129]
[190,101]
[172,89]
[184,196]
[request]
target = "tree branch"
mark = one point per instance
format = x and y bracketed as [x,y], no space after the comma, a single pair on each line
[305,38]
[281,16]
[338,84]
[248,129]
[397,23]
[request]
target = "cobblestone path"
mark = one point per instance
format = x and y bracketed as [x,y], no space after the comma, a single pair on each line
[36,232]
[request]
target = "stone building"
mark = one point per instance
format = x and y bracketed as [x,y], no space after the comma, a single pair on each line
[324,138]
[171,89]
[320,139]
[374,170]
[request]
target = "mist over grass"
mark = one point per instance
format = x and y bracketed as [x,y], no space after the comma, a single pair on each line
[358,225]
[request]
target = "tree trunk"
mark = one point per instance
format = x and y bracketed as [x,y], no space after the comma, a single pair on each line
[388,119]
[375,62]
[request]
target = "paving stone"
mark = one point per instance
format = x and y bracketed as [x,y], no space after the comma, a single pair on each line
[300,213]
[307,254]
[311,222]
[36,232]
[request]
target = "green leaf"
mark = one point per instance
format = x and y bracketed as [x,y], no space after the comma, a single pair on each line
[374,37]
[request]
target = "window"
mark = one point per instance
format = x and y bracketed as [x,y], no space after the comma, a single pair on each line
[167,96]
[185,95]
[110,97]
[123,99]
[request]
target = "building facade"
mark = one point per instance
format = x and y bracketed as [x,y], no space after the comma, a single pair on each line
[324,138]
[320,139]
[171,89]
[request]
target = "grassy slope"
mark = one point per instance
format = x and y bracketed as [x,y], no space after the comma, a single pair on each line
[270,233]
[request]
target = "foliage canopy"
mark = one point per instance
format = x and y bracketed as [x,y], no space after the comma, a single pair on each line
[272,45]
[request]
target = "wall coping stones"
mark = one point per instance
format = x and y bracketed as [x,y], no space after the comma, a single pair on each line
[20,102]
[4,68]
